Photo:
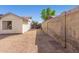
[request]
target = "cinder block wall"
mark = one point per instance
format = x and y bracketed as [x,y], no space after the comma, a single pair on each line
[55,27]
[72,25]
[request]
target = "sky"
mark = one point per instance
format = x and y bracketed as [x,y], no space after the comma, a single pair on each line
[33,10]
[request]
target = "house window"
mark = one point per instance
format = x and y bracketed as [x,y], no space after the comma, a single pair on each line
[7,25]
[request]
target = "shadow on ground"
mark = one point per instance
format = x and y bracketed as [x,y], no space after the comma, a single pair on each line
[2,36]
[46,44]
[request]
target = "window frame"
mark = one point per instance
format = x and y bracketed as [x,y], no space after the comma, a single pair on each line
[6,28]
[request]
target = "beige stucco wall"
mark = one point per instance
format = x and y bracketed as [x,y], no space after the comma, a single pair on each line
[16,24]
[56,27]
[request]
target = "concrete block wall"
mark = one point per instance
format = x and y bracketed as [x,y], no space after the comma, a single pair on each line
[72,25]
[55,27]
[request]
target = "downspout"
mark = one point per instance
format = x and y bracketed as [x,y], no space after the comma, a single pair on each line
[65,32]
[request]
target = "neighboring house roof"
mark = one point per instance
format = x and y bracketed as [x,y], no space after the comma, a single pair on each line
[24,18]
[1,16]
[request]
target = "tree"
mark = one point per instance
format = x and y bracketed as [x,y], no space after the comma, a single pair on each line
[46,13]
[36,25]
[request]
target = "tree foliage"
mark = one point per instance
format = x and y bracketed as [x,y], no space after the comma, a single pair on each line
[46,13]
[36,25]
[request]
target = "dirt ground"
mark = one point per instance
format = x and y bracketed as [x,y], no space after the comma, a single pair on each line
[18,42]
[46,44]
[30,42]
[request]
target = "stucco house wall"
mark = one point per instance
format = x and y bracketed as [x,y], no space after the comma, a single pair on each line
[16,24]
[19,25]
[26,26]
